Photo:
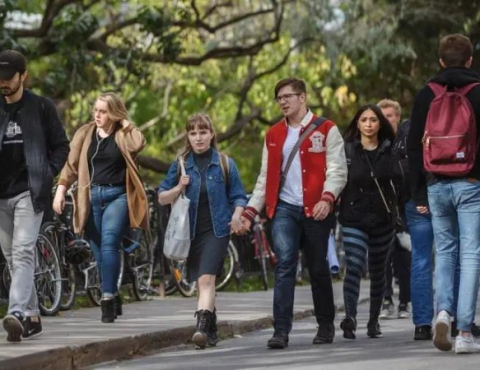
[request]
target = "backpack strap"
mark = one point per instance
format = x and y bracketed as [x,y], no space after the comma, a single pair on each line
[437,88]
[225,165]
[466,89]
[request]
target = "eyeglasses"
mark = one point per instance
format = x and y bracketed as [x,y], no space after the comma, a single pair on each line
[287,97]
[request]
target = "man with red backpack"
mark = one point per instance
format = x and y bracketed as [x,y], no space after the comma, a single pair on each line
[445,182]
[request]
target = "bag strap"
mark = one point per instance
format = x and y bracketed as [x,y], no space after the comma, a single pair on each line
[225,165]
[372,174]
[313,126]
[437,88]
[183,172]
[466,89]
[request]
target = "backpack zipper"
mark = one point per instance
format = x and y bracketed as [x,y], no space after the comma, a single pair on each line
[442,137]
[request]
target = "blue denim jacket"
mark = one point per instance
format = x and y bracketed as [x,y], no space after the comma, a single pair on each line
[222,201]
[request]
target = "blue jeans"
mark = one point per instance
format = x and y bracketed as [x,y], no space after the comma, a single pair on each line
[106,226]
[455,208]
[291,229]
[421,275]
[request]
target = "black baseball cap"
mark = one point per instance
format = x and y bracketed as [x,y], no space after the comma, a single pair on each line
[11,62]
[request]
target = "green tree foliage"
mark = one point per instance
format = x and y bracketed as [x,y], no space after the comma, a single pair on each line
[171,58]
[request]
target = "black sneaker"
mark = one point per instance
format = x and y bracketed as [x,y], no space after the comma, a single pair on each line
[13,324]
[373,329]
[31,329]
[475,330]
[349,326]
[325,334]
[278,341]
[423,332]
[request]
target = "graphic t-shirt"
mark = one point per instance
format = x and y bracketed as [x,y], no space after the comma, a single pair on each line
[14,172]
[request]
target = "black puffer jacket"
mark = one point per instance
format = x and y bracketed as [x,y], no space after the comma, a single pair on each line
[361,204]
[45,143]
[400,162]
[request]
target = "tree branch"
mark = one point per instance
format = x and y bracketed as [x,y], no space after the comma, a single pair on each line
[153,164]
[52,9]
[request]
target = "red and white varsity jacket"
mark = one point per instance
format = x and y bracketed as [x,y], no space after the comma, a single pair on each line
[323,162]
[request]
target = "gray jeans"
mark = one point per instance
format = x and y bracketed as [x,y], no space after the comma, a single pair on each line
[19,227]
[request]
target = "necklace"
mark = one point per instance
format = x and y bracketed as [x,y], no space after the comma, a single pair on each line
[203,168]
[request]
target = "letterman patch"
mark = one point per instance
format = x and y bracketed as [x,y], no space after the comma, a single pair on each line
[317,143]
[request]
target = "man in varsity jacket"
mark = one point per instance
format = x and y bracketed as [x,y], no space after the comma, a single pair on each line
[302,209]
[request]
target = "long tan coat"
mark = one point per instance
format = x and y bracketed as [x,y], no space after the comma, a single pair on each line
[130,141]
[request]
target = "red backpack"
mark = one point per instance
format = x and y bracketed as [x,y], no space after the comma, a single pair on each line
[450,138]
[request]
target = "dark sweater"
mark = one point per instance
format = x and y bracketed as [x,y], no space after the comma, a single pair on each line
[454,77]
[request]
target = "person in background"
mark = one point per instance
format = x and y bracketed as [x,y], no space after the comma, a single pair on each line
[399,261]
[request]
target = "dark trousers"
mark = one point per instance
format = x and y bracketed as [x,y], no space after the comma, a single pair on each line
[292,229]
[399,263]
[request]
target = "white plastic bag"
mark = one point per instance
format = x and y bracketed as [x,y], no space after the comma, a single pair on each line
[177,235]
[332,255]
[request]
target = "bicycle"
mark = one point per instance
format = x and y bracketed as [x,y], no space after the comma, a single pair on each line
[262,251]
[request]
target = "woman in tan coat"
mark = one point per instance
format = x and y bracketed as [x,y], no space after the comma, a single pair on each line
[110,194]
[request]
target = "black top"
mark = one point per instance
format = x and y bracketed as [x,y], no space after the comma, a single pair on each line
[361,204]
[106,161]
[204,218]
[14,179]
[454,77]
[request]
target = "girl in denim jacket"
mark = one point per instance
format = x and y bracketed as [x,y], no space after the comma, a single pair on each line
[216,205]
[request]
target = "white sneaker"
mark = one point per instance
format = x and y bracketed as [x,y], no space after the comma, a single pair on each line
[442,338]
[466,345]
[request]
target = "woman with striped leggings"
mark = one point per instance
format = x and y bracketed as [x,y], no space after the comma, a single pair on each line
[367,206]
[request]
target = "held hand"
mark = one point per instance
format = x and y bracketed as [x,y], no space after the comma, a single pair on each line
[321,210]
[236,225]
[246,225]
[59,203]
[422,209]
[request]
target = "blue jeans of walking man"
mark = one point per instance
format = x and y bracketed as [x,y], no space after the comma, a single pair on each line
[290,229]
[455,209]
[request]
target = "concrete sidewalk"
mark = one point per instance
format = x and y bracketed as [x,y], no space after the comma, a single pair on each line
[77,338]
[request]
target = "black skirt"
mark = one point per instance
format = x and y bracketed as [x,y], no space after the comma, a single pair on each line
[207,253]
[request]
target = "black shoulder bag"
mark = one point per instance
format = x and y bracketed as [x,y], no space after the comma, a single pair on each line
[395,218]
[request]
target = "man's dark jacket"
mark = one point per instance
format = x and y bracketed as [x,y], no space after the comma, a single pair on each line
[453,77]
[45,143]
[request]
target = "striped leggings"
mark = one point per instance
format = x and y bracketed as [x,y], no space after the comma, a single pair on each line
[358,243]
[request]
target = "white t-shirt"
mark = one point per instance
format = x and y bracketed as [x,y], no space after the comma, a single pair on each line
[292,191]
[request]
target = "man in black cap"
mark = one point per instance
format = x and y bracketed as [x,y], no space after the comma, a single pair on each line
[33,149]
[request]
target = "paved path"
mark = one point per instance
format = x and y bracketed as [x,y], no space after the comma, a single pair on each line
[78,338]
[396,351]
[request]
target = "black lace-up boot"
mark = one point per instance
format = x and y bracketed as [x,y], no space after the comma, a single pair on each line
[204,318]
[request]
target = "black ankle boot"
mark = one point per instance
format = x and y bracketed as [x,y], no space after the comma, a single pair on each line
[108,310]
[212,334]
[204,318]
[118,305]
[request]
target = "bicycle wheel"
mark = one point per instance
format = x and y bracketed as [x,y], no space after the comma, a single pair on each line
[69,287]
[48,278]
[178,270]
[141,264]
[228,268]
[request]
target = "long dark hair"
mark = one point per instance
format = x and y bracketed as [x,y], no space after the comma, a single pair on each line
[386,131]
